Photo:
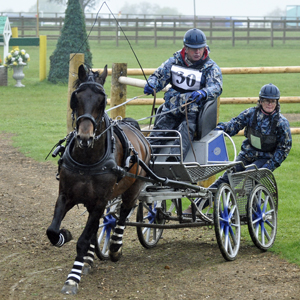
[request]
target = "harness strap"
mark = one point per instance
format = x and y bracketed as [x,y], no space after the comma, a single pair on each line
[118,131]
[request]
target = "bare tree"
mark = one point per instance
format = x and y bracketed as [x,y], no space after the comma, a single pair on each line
[277,12]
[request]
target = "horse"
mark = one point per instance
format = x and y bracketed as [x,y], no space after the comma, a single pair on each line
[91,172]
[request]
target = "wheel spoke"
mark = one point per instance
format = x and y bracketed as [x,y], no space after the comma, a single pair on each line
[256,220]
[256,229]
[266,233]
[148,234]
[106,243]
[270,224]
[233,236]
[226,238]
[227,199]
[265,203]
[259,197]
[230,246]
[154,233]
[262,234]
[232,210]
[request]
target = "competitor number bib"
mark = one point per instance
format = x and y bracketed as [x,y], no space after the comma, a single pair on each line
[186,79]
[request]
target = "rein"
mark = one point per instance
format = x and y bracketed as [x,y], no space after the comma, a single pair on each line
[166,112]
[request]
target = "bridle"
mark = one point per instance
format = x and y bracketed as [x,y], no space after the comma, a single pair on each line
[97,88]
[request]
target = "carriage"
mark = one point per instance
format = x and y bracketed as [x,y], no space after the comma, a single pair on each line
[108,166]
[250,198]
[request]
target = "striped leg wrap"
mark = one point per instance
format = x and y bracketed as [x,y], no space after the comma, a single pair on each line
[61,240]
[117,236]
[89,258]
[75,273]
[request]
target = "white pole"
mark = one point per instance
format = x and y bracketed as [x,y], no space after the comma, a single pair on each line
[37,18]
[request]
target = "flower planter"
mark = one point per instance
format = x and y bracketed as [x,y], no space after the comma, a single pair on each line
[18,75]
[3,76]
[16,60]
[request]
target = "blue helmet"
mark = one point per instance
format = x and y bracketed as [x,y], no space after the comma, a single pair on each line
[194,38]
[269,91]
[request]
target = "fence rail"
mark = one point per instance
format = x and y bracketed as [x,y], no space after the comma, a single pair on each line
[157,29]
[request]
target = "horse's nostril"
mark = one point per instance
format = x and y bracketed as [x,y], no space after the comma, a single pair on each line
[84,141]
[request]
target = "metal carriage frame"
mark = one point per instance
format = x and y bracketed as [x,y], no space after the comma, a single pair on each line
[250,198]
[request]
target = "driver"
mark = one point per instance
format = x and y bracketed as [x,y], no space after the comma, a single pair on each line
[194,77]
[268,135]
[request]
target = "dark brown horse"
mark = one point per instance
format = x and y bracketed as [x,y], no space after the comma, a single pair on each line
[91,172]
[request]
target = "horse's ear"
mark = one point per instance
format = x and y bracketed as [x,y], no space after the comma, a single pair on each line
[103,75]
[81,73]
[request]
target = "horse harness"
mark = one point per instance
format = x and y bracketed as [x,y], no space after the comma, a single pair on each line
[107,164]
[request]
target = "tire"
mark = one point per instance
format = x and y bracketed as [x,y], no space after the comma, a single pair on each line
[147,213]
[262,217]
[104,233]
[227,222]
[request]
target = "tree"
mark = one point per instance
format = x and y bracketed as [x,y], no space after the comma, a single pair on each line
[277,12]
[73,39]
[83,3]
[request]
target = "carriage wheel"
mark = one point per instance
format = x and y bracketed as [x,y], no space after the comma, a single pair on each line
[227,222]
[147,213]
[262,217]
[103,236]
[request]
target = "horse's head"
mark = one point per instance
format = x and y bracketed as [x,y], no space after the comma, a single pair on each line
[88,103]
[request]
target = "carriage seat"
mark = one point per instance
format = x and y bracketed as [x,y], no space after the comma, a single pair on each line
[207,119]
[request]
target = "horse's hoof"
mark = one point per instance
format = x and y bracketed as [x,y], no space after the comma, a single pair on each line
[115,256]
[87,269]
[70,287]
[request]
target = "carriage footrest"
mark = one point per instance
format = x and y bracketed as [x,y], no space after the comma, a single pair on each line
[189,172]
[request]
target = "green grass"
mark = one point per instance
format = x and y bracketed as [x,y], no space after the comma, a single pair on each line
[36,114]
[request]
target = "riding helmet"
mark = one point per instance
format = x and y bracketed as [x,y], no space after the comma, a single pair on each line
[269,91]
[194,38]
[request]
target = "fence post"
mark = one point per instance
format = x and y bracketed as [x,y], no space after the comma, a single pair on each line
[272,34]
[284,30]
[136,30]
[210,30]
[43,58]
[248,30]
[155,34]
[174,32]
[14,34]
[117,35]
[118,91]
[99,30]
[232,35]
[76,60]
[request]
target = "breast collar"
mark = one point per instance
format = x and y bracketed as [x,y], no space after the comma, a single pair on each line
[104,165]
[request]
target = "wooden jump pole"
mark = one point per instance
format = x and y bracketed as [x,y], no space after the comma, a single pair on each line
[227,71]
[229,100]
[118,92]
[76,59]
